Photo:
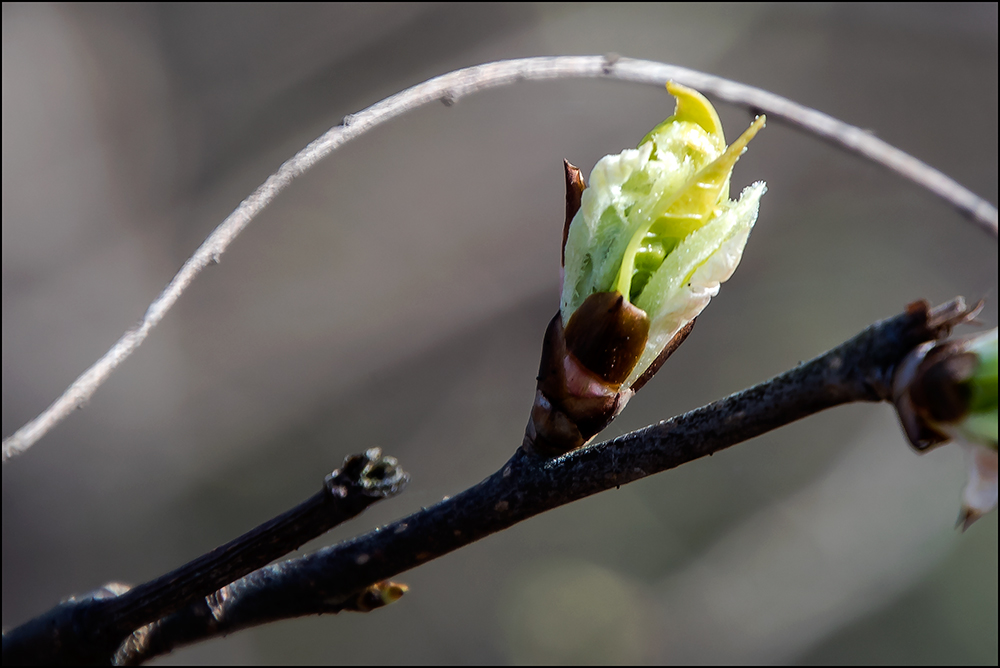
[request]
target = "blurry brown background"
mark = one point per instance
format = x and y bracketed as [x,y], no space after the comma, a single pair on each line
[397,294]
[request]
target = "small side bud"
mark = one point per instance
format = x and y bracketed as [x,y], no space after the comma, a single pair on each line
[376,596]
[947,391]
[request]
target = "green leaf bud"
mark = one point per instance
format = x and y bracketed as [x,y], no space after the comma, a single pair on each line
[645,247]
[656,223]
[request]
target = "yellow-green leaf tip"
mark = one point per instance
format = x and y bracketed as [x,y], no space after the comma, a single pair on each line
[656,223]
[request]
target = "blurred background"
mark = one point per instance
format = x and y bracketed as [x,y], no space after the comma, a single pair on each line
[396,296]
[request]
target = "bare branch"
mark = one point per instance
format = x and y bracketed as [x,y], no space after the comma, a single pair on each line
[448,88]
[859,370]
[89,628]
[222,612]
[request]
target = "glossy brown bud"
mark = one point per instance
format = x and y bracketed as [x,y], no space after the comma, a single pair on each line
[607,335]
[580,376]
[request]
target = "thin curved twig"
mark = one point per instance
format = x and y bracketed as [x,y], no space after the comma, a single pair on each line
[448,88]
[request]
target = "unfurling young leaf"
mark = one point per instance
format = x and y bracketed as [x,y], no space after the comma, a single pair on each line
[645,248]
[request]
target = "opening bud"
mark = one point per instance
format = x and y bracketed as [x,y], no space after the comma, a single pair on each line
[948,391]
[645,248]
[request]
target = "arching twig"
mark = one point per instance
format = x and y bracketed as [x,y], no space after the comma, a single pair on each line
[448,88]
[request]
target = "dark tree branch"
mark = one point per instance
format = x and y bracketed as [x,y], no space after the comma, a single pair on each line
[859,370]
[90,628]
[215,615]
